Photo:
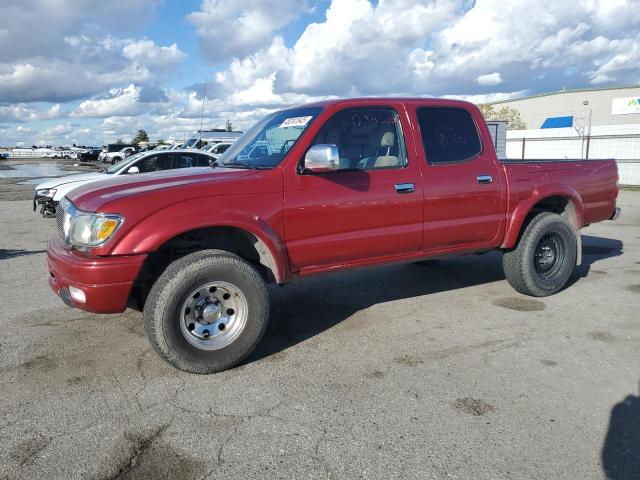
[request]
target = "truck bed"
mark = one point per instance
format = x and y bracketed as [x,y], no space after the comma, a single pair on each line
[592,183]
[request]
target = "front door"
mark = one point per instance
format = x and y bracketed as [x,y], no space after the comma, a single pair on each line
[370,208]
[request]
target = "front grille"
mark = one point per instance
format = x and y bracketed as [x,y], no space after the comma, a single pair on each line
[60,221]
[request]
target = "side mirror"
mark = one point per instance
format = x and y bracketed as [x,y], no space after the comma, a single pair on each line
[322,158]
[133,170]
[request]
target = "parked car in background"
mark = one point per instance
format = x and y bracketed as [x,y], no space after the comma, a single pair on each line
[312,189]
[4,155]
[216,149]
[204,137]
[115,157]
[113,147]
[48,193]
[62,154]
[89,155]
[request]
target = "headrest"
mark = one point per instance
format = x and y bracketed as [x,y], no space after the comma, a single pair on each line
[388,139]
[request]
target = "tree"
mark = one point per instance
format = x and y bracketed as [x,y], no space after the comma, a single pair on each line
[160,141]
[508,114]
[119,142]
[229,127]
[140,137]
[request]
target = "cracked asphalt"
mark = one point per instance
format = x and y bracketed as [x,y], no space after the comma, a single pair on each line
[406,371]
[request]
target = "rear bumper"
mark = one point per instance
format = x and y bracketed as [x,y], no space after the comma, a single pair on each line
[106,282]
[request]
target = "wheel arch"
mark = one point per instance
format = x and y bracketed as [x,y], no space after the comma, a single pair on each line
[563,201]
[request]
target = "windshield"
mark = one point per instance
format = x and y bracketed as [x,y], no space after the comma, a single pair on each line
[116,167]
[265,144]
[191,143]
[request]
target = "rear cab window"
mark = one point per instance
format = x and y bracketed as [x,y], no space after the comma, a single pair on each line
[449,135]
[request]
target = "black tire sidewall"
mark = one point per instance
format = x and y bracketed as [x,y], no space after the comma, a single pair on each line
[549,224]
[167,314]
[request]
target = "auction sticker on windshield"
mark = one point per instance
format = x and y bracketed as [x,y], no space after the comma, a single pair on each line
[295,122]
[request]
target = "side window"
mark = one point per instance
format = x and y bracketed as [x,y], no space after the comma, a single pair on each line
[147,164]
[154,163]
[184,160]
[203,160]
[449,135]
[221,148]
[367,138]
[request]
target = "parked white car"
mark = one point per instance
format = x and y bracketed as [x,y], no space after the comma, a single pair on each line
[216,149]
[62,154]
[115,157]
[49,193]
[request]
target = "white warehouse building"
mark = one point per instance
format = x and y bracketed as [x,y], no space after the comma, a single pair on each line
[584,123]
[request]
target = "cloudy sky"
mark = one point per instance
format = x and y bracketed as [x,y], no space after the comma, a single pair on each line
[92,71]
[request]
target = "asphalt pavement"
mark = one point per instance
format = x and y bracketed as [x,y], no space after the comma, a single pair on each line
[405,371]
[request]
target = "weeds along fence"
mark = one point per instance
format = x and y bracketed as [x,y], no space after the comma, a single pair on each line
[620,142]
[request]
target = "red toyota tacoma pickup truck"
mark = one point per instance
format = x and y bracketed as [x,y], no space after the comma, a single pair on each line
[321,187]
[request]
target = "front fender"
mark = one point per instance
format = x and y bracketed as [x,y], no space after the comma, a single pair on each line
[516,220]
[150,233]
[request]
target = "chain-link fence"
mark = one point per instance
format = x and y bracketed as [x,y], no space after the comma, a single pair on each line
[581,140]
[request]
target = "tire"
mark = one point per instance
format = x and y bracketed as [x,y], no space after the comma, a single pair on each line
[115,160]
[544,257]
[197,345]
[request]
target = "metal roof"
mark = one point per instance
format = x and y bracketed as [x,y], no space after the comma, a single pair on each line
[559,92]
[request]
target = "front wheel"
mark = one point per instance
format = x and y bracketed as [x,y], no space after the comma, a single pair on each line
[544,258]
[207,312]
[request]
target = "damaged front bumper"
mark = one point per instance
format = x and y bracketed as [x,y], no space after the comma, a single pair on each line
[46,204]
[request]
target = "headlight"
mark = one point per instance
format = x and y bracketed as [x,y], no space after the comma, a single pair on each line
[46,192]
[86,229]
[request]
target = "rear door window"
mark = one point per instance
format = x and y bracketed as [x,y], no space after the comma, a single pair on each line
[449,135]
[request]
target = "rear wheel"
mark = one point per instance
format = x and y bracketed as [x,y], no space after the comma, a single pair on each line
[544,258]
[115,160]
[207,311]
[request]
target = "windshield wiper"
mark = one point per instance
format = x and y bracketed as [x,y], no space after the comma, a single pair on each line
[238,164]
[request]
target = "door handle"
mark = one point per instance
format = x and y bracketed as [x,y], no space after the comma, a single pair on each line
[405,188]
[484,179]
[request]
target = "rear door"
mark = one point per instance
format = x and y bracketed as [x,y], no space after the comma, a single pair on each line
[464,193]
[370,208]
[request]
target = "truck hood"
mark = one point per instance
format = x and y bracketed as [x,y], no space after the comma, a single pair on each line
[94,196]
[80,177]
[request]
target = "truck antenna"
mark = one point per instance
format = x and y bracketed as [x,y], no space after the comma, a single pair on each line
[204,100]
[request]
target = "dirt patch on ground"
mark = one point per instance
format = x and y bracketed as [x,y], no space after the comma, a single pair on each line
[602,336]
[549,363]
[473,406]
[28,449]
[39,363]
[633,288]
[520,304]
[148,456]
[377,374]
[408,360]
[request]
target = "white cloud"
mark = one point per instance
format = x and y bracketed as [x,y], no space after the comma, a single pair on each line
[146,52]
[480,51]
[120,101]
[233,28]
[489,79]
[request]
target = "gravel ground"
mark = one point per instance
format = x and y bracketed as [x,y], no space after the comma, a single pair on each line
[406,371]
